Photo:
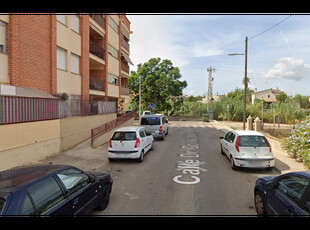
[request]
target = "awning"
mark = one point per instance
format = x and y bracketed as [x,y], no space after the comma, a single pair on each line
[126,57]
[9,90]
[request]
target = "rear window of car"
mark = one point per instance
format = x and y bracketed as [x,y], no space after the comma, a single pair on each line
[150,121]
[124,136]
[253,141]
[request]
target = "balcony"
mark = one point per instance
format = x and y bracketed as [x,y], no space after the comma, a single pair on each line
[99,18]
[125,44]
[124,90]
[96,84]
[96,50]
[125,66]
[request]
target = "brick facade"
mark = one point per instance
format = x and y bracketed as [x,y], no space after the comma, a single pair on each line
[31,44]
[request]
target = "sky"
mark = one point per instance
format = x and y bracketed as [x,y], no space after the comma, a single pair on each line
[277,58]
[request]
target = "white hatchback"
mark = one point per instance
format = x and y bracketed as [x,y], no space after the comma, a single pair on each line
[130,142]
[246,148]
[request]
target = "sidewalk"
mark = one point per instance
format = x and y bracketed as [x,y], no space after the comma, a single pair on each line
[83,156]
[283,163]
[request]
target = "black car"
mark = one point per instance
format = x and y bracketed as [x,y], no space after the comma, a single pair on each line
[287,194]
[53,190]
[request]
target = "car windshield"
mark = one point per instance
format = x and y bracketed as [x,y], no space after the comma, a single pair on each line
[150,121]
[253,141]
[124,136]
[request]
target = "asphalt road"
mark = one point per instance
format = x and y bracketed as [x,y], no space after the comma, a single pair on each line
[184,175]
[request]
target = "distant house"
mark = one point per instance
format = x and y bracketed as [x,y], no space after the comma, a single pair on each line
[214,98]
[268,95]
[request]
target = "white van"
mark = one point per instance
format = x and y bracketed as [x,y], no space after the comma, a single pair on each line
[156,124]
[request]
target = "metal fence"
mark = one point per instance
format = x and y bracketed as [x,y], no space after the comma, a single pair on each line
[15,109]
[76,107]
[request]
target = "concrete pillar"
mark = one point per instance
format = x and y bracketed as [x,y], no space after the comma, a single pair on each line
[257,124]
[249,123]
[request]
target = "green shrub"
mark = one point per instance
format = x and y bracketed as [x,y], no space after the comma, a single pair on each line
[298,143]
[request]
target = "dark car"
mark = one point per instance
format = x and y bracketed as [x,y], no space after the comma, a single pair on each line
[53,190]
[287,194]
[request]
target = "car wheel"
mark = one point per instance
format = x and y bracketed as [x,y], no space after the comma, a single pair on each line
[153,146]
[141,158]
[163,137]
[233,166]
[222,152]
[104,197]
[259,204]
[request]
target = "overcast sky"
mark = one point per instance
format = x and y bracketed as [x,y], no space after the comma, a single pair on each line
[279,57]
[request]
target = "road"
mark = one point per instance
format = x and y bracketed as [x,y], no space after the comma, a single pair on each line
[184,175]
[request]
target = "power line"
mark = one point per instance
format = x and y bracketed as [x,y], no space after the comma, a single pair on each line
[270,28]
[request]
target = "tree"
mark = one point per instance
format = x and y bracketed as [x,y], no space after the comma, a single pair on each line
[282,97]
[159,84]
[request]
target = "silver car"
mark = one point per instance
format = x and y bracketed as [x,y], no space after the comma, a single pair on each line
[249,149]
[156,124]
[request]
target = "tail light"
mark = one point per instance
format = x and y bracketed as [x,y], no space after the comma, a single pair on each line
[237,144]
[110,144]
[137,143]
[161,129]
[268,144]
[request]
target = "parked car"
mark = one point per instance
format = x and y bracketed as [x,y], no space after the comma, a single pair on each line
[146,113]
[287,194]
[156,124]
[52,190]
[131,142]
[249,149]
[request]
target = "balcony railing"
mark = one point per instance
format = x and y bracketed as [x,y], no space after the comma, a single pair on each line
[125,66]
[96,50]
[99,18]
[125,44]
[96,84]
[124,90]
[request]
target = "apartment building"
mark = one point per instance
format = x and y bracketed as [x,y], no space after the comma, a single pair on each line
[85,56]
[46,58]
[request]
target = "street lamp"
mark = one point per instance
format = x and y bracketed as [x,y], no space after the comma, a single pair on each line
[245,78]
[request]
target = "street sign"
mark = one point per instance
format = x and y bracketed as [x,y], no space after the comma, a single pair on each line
[149,105]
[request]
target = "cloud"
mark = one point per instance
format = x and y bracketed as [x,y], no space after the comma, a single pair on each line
[289,68]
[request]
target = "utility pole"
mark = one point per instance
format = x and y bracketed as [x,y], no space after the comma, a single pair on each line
[245,81]
[210,80]
[245,78]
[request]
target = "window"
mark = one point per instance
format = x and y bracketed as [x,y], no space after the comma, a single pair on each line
[112,51]
[141,132]
[62,17]
[307,205]
[253,141]
[2,37]
[75,23]
[150,121]
[124,136]
[291,187]
[74,180]
[230,137]
[28,208]
[44,194]
[75,63]
[1,204]
[113,24]
[113,78]
[61,59]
